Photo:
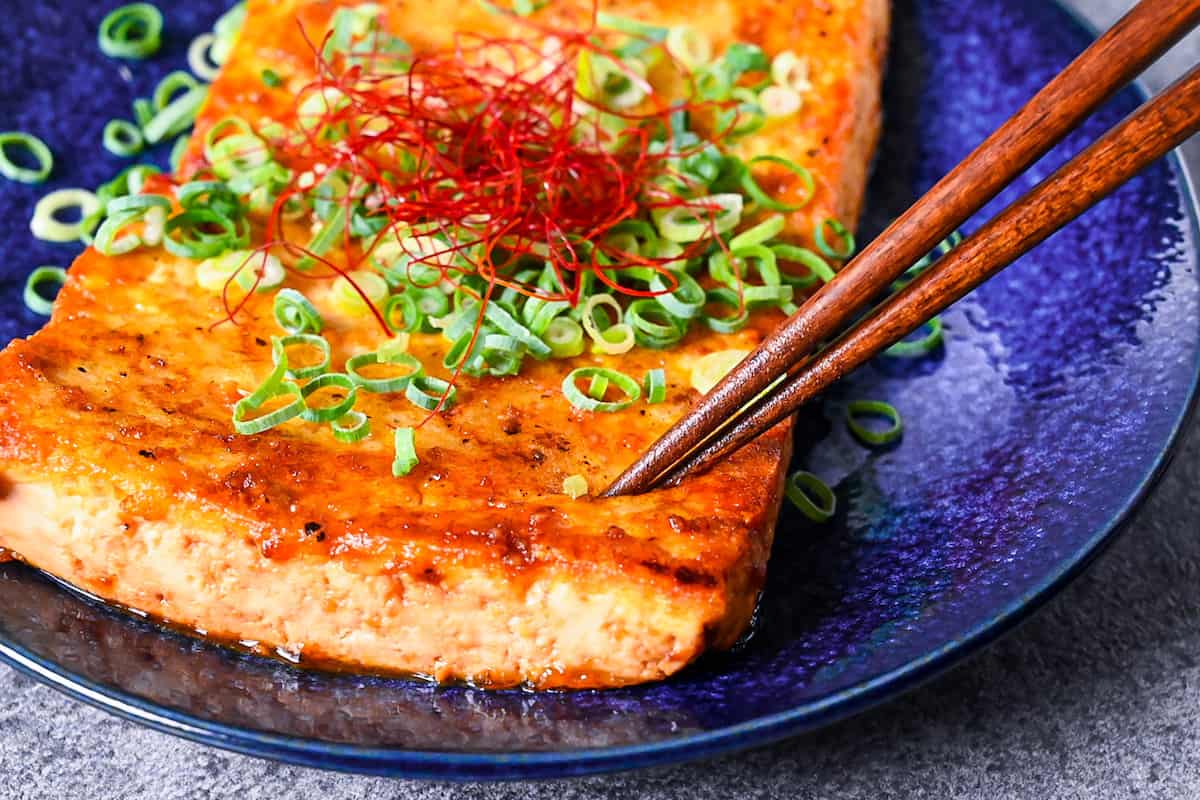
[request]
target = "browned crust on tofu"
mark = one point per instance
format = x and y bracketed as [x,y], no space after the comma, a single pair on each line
[120,472]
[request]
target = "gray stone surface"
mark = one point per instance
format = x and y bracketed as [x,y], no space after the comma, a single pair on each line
[1098,696]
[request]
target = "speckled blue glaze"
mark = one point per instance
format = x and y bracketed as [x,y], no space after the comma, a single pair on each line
[1029,437]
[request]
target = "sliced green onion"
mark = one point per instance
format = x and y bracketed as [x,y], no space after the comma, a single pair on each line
[873,408]
[598,387]
[348,290]
[817,266]
[690,223]
[790,71]
[40,278]
[406,452]
[780,101]
[579,400]
[132,31]
[32,145]
[410,317]
[915,348]
[187,234]
[353,426]
[123,138]
[432,304]
[811,495]
[176,117]
[763,200]
[659,333]
[496,315]
[689,47]
[845,238]
[108,239]
[178,150]
[428,392]
[726,296]
[45,224]
[565,337]
[325,238]
[199,60]
[769,228]
[143,111]
[656,386]
[271,78]
[575,486]
[613,338]
[686,301]
[247,405]
[295,314]
[711,369]
[279,348]
[334,380]
[395,383]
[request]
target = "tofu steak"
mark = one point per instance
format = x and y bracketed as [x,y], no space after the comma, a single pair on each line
[120,471]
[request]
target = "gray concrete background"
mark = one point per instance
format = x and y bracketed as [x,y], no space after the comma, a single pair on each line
[1098,696]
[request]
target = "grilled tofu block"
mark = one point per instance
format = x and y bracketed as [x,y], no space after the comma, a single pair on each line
[120,471]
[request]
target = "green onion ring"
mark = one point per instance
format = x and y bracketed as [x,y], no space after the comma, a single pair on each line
[420,392]
[123,138]
[176,117]
[873,408]
[410,317]
[839,230]
[384,385]
[729,297]
[35,147]
[762,199]
[177,152]
[802,487]
[194,243]
[583,402]
[199,59]
[656,386]
[140,203]
[249,427]
[108,239]
[431,303]
[143,111]
[919,347]
[132,31]
[691,222]
[406,452]
[280,344]
[353,426]
[817,267]
[335,380]
[685,301]
[495,314]
[565,337]
[43,276]
[173,86]
[650,333]
[295,314]
[45,224]
[769,228]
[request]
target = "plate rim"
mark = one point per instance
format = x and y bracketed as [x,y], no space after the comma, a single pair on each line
[495,765]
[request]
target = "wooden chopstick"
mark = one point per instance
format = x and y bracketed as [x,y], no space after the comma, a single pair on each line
[1147,135]
[1106,66]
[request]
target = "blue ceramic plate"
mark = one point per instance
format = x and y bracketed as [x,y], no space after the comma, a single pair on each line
[1028,439]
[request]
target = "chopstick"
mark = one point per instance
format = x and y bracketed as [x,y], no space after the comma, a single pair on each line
[1147,135]
[1108,64]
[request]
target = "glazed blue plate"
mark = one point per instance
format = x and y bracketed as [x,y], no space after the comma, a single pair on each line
[1028,439]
